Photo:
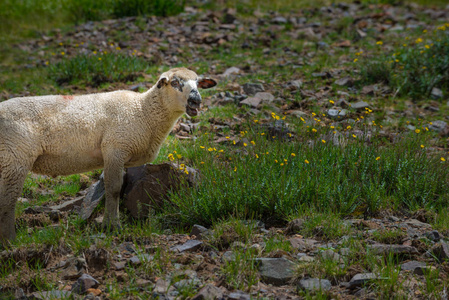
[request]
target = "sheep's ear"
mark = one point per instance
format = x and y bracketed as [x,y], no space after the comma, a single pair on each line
[206,83]
[163,81]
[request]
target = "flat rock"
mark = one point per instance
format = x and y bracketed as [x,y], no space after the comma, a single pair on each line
[294,85]
[51,295]
[436,93]
[361,279]
[423,270]
[199,231]
[441,250]
[275,271]
[302,244]
[189,246]
[345,81]
[438,126]
[93,197]
[383,249]
[433,235]
[306,258]
[239,295]
[231,71]
[331,255]
[208,292]
[295,225]
[265,97]
[84,283]
[360,105]
[412,265]
[68,205]
[253,88]
[251,102]
[314,284]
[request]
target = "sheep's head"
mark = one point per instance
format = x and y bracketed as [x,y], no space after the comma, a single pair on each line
[181,88]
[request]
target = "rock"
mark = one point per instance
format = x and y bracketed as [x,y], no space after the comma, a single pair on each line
[251,102]
[360,105]
[345,81]
[199,231]
[331,255]
[382,249]
[314,284]
[239,295]
[137,260]
[436,93]
[119,265]
[423,270]
[52,295]
[275,271]
[95,292]
[336,114]
[72,268]
[231,71]
[293,85]
[412,265]
[189,246]
[68,205]
[265,97]
[321,75]
[441,251]
[84,283]
[279,20]
[302,244]
[208,292]
[433,236]
[295,226]
[253,88]
[161,286]
[438,126]
[228,256]
[361,279]
[306,258]
[97,259]
[93,197]
[187,283]
[148,185]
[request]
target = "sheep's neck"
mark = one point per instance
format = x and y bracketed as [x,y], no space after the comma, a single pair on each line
[155,106]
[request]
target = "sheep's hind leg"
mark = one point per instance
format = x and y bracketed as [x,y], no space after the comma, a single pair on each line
[113,179]
[11,186]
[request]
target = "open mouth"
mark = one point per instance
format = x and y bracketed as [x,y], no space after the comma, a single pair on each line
[192,108]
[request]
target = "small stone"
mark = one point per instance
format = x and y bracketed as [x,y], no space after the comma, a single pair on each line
[360,105]
[331,255]
[436,93]
[295,225]
[279,20]
[251,102]
[239,295]
[315,284]
[265,97]
[383,249]
[119,265]
[423,270]
[208,292]
[161,286]
[231,71]
[412,265]
[84,283]
[95,292]
[438,126]
[276,271]
[306,258]
[361,279]
[302,244]
[433,236]
[321,75]
[345,251]
[228,256]
[345,81]
[441,251]
[199,231]
[294,85]
[253,88]
[189,246]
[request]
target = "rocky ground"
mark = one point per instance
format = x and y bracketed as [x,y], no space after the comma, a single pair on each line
[264,74]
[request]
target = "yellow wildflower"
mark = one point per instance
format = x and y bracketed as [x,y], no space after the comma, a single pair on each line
[443,159]
[245,144]
[379,43]
[306,161]
[422,146]
[323,141]
[293,154]
[377,158]
[252,142]
[356,59]
[417,130]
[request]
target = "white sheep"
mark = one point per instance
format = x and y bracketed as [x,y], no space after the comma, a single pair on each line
[62,135]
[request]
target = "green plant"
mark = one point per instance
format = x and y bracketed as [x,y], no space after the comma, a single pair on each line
[240,272]
[387,236]
[98,68]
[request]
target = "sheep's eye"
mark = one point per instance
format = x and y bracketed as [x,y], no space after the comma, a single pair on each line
[177,85]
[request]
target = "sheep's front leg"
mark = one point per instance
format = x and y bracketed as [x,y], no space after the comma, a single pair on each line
[11,186]
[113,179]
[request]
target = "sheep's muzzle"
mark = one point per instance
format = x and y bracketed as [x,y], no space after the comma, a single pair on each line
[193,103]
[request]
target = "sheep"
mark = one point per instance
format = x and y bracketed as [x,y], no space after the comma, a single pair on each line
[61,135]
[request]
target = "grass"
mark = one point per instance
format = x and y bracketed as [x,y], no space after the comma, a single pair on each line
[413,69]
[98,68]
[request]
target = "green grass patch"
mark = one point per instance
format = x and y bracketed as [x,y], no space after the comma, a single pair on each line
[413,68]
[98,68]
[272,180]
